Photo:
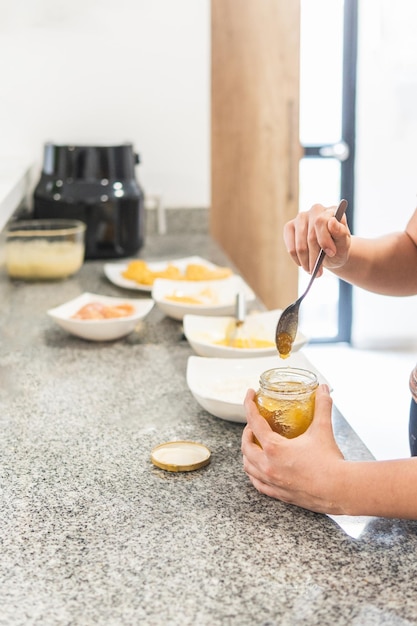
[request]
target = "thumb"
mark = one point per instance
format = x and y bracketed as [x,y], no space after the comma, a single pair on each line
[340,234]
[323,410]
[338,230]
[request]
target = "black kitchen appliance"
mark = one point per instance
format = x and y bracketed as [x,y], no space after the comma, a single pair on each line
[97,185]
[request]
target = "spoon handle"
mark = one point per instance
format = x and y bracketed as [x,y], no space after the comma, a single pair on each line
[338,215]
[240,308]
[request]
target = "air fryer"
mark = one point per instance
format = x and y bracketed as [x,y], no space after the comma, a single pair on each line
[97,185]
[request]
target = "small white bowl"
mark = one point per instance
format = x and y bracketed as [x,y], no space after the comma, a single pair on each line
[220,385]
[99,330]
[217,297]
[203,332]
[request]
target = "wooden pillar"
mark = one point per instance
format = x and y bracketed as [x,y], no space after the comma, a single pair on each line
[255,149]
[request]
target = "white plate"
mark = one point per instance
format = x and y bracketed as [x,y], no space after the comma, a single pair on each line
[203,332]
[113,271]
[217,297]
[99,330]
[220,385]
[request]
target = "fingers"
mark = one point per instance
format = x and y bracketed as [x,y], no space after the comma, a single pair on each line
[271,490]
[301,242]
[256,422]
[255,464]
[289,240]
[251,454]
[320,227]
[250,450]
[312,230]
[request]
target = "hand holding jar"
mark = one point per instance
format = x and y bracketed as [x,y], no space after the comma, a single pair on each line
[302,471]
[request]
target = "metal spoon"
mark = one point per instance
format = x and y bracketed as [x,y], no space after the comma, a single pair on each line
[239,320]
[288,322]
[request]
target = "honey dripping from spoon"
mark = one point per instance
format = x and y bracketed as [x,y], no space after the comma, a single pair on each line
[284,345]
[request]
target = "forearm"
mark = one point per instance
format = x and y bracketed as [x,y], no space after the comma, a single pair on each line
[386,265]
[311,472]
[378,488]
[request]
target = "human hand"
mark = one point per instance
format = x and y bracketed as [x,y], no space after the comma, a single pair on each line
[307,470]
[312,230]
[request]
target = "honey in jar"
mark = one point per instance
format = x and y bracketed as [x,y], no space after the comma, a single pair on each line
[286,399]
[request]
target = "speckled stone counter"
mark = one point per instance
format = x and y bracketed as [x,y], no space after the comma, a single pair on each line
[92,533]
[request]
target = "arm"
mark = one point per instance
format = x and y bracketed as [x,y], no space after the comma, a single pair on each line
[385,265]
[311,472]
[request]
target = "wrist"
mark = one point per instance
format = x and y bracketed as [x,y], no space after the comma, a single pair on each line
[342,489]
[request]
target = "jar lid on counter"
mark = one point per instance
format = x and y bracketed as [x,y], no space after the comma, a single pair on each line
[180,456]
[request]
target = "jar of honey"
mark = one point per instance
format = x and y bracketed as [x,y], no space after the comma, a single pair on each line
[286,399]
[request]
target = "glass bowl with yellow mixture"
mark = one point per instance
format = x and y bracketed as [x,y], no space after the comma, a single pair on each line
[44,249]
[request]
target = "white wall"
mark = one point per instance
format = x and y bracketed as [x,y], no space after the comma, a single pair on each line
[94,71]
[386,164]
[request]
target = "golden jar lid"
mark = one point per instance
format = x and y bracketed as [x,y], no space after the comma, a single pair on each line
[180,456]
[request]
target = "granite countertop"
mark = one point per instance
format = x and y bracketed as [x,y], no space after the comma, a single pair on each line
[92,533]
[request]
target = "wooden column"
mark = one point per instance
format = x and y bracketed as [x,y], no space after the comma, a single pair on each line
[255,149]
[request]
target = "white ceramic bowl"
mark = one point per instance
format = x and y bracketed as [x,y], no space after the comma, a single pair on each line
[217,297]
[203,332]
[114,271]
[220,385]
[103,329]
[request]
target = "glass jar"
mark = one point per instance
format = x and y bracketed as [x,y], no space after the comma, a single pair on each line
[286,399]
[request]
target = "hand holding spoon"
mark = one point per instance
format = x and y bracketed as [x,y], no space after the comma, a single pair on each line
[288,322]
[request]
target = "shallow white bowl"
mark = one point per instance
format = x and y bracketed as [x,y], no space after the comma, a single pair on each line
[203,332]
[99,330]
[219,296]
[114,271]
[220,385]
